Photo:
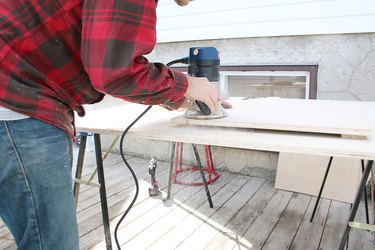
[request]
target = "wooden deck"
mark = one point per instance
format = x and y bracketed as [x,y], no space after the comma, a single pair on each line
[248,213]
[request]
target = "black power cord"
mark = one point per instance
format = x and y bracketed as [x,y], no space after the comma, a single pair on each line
[131,171]
[182,60]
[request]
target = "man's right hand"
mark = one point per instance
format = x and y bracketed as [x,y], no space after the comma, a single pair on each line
[201,89]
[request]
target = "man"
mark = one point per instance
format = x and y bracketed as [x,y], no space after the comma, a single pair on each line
[57,55]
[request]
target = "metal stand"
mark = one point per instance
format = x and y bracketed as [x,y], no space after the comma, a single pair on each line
[360,191]
[321,188]
[365,192]
[81,156]
[356,202]
[103,195]
[102,190]
[199,165]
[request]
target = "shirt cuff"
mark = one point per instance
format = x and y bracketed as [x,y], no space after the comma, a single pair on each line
[180,87]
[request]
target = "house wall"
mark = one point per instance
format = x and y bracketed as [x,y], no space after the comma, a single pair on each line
[219,19]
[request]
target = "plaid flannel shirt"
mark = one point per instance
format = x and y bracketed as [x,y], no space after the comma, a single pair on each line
[57,55]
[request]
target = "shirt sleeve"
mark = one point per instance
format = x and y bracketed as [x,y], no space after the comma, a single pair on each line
[115,37]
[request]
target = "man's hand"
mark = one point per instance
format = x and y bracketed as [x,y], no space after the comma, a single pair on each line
[189,104]
[202,90]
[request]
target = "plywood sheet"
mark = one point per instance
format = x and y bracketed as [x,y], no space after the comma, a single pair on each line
[156,125]
[304,174]
[316,116]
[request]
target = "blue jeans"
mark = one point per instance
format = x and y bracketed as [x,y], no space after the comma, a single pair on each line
[36,197]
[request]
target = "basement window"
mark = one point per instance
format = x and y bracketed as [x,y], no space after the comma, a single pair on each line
[252,81]
[244,82]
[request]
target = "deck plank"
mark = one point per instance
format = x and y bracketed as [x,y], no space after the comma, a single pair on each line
[335,225]
[310,233]
[248,213]
[259,231]
[359,239]
[199,215]
[118,203]
[170,222]
[133,233]
[207,231]
[286,228]
[238,225]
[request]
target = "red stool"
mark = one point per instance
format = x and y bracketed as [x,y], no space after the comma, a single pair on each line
[177,166]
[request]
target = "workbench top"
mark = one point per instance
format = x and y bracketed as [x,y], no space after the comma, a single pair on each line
[267,124]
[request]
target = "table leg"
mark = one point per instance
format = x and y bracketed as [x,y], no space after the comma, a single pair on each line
[103,195]
[171,169]
[356,202]
[78,175]
[321,188]
[365,192]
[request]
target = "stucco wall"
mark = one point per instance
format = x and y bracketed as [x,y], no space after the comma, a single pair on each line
[346,72]
[346,62]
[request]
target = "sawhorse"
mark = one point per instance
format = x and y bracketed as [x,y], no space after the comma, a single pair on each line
[101,185]
[361,189]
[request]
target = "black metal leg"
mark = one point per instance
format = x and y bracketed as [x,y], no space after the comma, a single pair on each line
[81,156]
[365,193]
[103,195]
[321,188]
[356,202]
[202,174]
[171,170]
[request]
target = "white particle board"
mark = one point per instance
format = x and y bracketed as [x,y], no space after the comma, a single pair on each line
[316,116]
[304,174]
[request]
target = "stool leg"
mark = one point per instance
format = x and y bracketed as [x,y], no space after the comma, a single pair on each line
[202,174]
[210,164]
[180,150]
[171,169]
[177,165]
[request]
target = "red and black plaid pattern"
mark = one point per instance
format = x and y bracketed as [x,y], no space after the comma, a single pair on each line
[57,55]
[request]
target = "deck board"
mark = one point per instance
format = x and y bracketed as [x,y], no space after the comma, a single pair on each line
[238,225]
[310,233]
[259,231]
[194,218]
[286,228]
[222,216]
[248,213]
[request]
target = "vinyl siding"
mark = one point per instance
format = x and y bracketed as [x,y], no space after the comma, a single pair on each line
[220,19]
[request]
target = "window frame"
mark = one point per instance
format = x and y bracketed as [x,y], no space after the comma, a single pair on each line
[311,69]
